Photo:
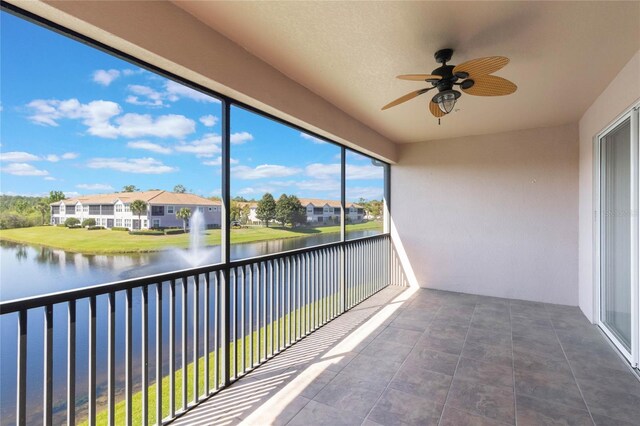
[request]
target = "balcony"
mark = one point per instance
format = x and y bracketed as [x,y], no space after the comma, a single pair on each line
[504,289]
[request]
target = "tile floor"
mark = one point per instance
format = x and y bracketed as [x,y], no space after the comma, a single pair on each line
[430,357]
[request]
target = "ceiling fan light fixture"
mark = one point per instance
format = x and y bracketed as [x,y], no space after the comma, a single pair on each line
[446,100]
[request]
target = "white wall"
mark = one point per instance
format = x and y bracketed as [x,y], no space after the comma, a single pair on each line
[622,92]
[494,215]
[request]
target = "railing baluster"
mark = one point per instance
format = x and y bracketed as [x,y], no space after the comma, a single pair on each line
[128,356]
[92,360]
[71,363]
[183,353]
[250,279]
[48,365]
[158,354]
[205,333]
[216,330]
[241,298]
[144,302]
[172,348]
[196,338]
[264,305]
[21,376]
[271,301]
[234,324]
[111,361]
[307,295]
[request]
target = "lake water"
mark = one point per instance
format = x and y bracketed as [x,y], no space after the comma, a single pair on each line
[32,270]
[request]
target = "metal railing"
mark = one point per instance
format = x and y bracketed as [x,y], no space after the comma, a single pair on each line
[171,340]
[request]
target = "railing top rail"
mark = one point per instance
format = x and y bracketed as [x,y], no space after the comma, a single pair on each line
[16,305]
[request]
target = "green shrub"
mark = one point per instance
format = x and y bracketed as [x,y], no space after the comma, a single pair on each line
[94,228]
[78,226]
[89,222]
[173,231]
[70,221]
[146,232]
[119,228]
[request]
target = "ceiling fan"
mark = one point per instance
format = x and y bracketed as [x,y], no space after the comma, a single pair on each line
[473,77]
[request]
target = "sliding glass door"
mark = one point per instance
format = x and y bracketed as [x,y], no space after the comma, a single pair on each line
[618,219]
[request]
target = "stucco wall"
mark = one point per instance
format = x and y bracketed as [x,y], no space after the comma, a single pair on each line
[621,93]
[494,215]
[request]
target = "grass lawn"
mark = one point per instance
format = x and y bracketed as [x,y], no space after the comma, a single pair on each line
[114,242]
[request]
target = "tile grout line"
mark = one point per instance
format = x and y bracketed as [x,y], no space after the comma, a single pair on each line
[513,370]
[570,367]
[444,406]
[400,368]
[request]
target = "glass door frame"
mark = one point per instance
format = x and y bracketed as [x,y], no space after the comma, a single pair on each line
[631,114]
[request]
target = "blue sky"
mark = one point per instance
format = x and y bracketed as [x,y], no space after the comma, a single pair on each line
[81,121]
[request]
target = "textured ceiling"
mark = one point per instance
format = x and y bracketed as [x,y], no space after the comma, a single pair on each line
[563,55]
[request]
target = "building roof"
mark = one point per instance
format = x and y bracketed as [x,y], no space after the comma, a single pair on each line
[150,197]
[316,202]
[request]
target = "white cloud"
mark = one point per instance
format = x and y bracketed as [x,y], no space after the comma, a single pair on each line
[164,126]
[70,155]
[368,193]
[209,120]
[208,146]
[131,165]
[354,172]
[312,138]
[176,91]
[49,178]
[95,186]
[319,185]
[105,77]
[52,158]
[18,157]
[240,138]
[256,190]
[263,171]
[149,146]
[23,169]
[97,115]
[71,194]
[218,161]
[129,72]
[153,98]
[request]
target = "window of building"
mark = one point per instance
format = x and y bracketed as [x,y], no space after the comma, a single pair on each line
[157,210]
[127,223]
[201,209]
[118,208]
[170,210]
[119,223]
[127,208]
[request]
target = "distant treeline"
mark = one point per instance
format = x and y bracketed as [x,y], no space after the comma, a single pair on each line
[18,211]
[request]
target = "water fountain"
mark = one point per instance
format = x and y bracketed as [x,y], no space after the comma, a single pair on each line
[197,254]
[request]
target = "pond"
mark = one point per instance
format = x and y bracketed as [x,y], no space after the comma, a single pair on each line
[28,271]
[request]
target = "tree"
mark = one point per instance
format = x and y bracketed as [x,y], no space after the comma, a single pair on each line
[184,214]
[138,207]
[244,214]
[234,211]
[43,208]
[55,196]
[290,210]
[239,198]
[130,188]
[180,189]
[22,206]
[266,209]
